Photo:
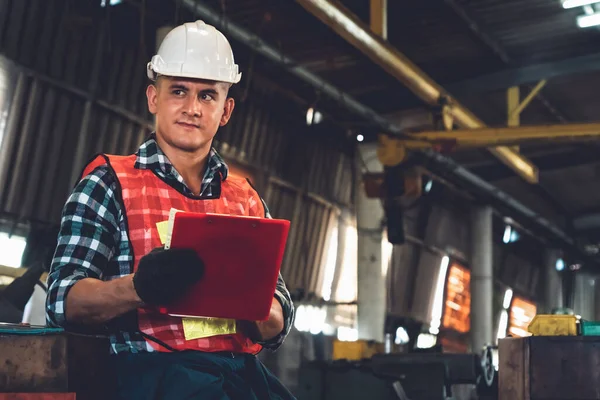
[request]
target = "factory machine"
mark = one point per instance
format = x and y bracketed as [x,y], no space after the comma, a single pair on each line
[406,376]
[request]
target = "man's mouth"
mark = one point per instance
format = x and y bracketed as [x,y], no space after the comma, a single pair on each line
[188,125]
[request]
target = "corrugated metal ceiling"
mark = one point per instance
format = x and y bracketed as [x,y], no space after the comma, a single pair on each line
[535,30]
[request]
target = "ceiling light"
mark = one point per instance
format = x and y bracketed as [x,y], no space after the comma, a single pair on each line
[585,21]
[577,3]
[313,116]
[506,236]
[428,186]
[309,116]
[111,2]
[360,138]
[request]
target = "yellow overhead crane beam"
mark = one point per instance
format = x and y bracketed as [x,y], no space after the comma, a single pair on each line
[393,150]
[360,35]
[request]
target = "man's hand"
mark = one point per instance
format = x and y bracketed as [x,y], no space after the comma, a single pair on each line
[260,331]
[163,275]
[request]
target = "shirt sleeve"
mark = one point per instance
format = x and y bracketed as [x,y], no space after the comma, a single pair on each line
[88,237]
[283,296]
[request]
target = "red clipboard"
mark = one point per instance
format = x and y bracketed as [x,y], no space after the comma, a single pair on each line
[242,257]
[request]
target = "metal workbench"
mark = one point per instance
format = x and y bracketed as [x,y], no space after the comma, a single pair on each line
[55,363]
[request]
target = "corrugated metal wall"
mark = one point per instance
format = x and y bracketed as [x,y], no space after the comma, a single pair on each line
[71,87]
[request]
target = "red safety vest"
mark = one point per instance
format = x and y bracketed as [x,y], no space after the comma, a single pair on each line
[147,199]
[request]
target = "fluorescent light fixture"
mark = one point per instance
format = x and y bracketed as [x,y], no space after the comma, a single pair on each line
[428,186]
[577,3]
[330,261]
[401,336]
[586,21]
[510,235]
[507,298]
[502,325]
[387,249]
[318,117]
[438,300]
[309,116]
[111,2]
[313,116]
[514,236]
[426,341]
[507,232]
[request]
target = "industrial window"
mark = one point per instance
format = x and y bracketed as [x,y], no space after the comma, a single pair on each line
[336,286]
[11,250]
[458,299]
[347,285]
[329,263]
[520,316]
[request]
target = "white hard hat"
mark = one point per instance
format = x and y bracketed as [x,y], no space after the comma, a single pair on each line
[195,50]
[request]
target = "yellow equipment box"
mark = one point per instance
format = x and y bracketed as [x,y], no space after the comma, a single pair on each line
[553,325]
[356,350]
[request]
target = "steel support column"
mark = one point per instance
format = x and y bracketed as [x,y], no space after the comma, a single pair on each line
[515,106]
[513,96]
[371,281]
[553,297]
[379,17]
[351,28]
[521,105]
[482,278]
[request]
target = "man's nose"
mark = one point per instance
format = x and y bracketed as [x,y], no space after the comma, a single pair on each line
[193,107]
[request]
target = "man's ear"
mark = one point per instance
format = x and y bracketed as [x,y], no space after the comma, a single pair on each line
[227,111]
[152,95]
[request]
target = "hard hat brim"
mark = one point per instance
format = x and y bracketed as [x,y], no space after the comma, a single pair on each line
[156,68]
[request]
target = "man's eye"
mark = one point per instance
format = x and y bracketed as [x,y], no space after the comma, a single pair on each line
[178,92]
[207,97]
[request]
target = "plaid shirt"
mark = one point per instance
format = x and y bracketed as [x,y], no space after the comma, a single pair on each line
[93,243]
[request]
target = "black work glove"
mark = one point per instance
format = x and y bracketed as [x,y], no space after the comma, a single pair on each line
[163,275]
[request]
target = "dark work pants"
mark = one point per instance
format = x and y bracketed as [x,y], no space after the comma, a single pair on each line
[195,375]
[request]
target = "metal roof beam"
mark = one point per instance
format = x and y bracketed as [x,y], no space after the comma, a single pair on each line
[577,157]
[379,20]
[526,74]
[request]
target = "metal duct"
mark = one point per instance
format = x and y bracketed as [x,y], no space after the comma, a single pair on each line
[435,161]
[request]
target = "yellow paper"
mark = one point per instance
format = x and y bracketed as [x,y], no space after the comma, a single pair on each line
[163,229]
[197,328]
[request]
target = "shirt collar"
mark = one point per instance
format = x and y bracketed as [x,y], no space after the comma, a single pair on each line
[150,156]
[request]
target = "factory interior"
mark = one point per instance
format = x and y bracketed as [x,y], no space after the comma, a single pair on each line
[436,161]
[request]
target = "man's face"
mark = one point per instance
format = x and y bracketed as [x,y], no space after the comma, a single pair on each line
[189,111]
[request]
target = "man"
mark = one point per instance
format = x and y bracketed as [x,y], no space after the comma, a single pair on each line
[109,269]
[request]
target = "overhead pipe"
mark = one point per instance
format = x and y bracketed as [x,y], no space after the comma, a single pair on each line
[351,28]
[435,161]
